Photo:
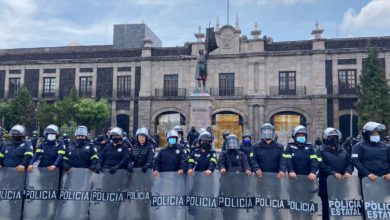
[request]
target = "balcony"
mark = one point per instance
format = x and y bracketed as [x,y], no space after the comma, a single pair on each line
[123,95]
[48,96]
[339,90]
[298,91]
[226,92]
[171,93]
[85,94]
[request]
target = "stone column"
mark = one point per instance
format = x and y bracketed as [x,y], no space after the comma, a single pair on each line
[200,111]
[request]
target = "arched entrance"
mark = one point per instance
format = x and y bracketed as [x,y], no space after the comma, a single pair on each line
[285,122]
[123,121]
[229,121]
[167,121]
[345,126]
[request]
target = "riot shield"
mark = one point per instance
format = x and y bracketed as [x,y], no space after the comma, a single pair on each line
[235,196]
[168,200]
[304,202]
[11,193]
[41,193]
[74,195]
[270,197]
[202,196]
[376,196]
[345,199]
[108,195]
[138,194]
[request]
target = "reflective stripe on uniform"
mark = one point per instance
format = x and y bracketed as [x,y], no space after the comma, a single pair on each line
[319,159]
[191,160]
[313,156]
[214,160]
[61,152]
[1,155]
[287,155]
[39,151]
[65,158]
[355,155]
[95,157]
[251,154]
[29,153]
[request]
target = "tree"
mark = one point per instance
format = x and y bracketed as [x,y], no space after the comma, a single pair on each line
[22,110]
[69,128]
[4,109]
[373,93]
[66,108]
[46,114]
[92,113]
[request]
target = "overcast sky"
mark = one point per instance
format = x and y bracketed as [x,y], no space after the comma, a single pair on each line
[47,23]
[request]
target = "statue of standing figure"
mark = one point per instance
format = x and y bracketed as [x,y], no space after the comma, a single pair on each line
[201,70]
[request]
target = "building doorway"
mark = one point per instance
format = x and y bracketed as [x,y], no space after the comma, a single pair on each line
[226,121]
[284,123]
[167,121]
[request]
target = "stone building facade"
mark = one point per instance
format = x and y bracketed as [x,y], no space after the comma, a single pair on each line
[251,81]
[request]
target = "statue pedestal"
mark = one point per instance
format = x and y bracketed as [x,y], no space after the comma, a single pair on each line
[200,114]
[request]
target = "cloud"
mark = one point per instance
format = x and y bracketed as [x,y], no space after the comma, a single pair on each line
[273,2]
[372,18]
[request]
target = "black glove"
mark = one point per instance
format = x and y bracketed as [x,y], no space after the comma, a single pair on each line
[97,168]
[113,169]
[130,168]
[145,168]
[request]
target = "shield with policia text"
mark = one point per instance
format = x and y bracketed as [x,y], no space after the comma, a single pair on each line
[74,195]
[108,195]
[168,200]
[345,199]
[138,194]
[202,196]
[11,193]
[376,196]
[41,193]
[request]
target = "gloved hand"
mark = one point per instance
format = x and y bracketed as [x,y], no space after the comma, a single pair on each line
[130,168]
[97,168]
[113,169]
[145,168]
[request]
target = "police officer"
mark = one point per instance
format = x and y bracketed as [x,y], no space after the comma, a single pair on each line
[317,143]
[181,141]
[224,136]
[35,140]
[192,136]
[204,158]
[267,155]
[50,151]
[127,140]
[66,140]
[171,158]
[141,154]
[246,145]
[301,157]
[232,159]
[82,153]
[18,152]
[115,154]
[335,161]
[371,157]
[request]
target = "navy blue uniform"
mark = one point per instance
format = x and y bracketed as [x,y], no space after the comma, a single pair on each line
[371,158]
[114,156]
[170,159]
[201,161]
[233,161]
[301,159]
[247,149]
[50,153]
[15,154]
[141,156]
[268,157]
[82,155]
[331,161]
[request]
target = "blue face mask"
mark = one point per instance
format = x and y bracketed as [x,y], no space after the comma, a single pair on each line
[172,141]
[247,141]
[301,140]
[375,138]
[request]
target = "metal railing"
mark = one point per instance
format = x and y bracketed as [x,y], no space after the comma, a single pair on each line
[177,92]
[234,91]
[277,91]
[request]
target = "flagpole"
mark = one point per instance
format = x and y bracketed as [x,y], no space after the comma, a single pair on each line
[228,6]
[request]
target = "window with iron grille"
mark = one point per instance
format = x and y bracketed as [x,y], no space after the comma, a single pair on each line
[226,84]
[171,85]
[14,86]
[347,81]
[85,86]
[49,86]
[287,83]
[123,86]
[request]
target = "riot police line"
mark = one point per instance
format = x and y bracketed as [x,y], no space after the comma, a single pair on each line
[281,181]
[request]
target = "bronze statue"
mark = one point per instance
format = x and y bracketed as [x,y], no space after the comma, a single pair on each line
[201,70]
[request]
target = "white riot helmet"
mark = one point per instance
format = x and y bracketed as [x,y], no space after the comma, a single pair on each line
[18,130]
[81,131]
[116,131]
[232,142]
[51,129]
[267,131]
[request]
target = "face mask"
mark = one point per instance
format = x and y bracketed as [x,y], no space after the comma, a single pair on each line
[81,142]
[205,146]
[193,130]
[375,138]
[172,141]
[333,142]
[51,137]
[247,141]
[301,140]
[17,139]
[116,140]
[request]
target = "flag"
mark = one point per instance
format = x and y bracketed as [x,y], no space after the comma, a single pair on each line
[211,43]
